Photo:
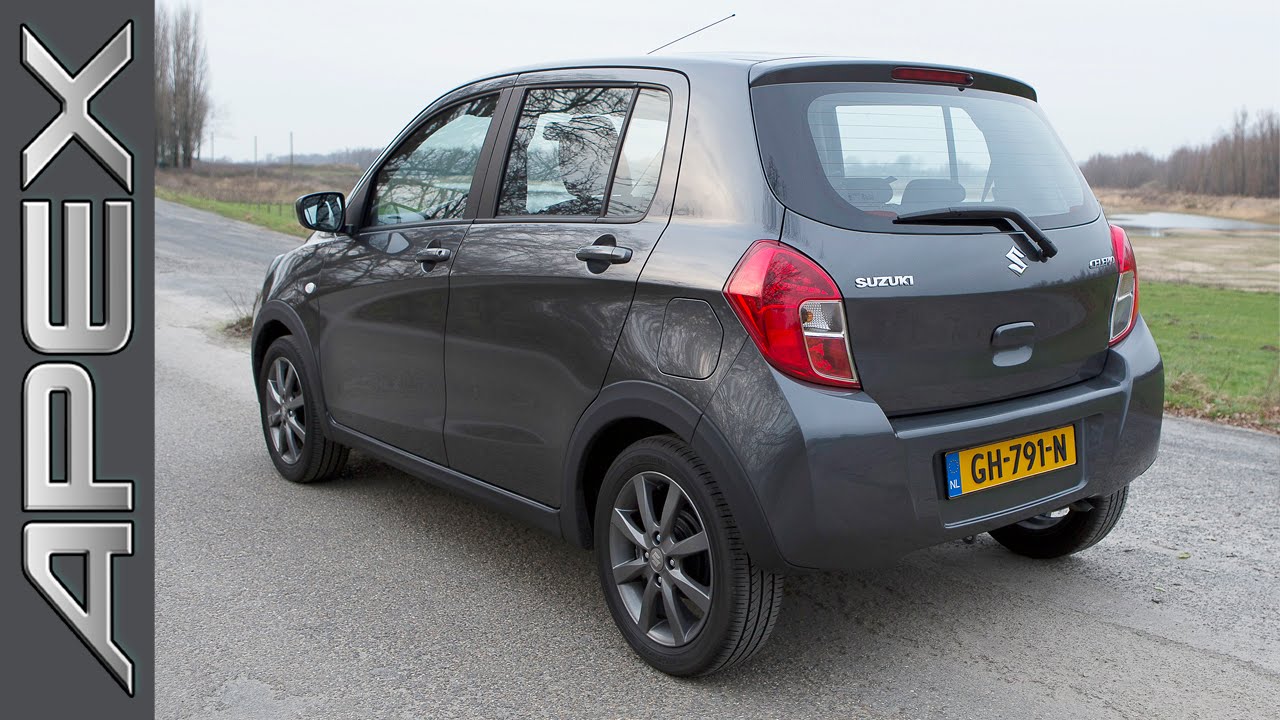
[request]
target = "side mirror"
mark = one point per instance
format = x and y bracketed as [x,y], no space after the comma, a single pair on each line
[322,211]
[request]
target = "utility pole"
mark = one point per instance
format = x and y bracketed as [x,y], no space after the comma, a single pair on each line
[255,157]
[291,151]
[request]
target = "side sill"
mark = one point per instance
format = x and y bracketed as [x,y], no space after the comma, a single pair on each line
[533,513]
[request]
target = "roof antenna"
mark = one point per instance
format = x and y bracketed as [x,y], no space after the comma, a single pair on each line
[695,32]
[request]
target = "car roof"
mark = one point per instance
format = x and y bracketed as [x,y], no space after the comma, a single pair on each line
[689,64]
[681,62]
[754,64]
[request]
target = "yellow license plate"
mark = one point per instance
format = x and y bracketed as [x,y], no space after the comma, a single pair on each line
[1002,462]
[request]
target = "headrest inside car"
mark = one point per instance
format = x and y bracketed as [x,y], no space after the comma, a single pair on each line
[933,191]
[864,190]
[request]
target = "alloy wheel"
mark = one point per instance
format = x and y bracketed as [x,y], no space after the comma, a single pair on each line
[661,559]
[286,410]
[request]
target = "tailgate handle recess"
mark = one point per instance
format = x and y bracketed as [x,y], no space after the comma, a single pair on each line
[1013,343]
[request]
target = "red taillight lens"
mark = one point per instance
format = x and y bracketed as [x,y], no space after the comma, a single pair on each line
[950,77]
[794,312]
[1124,309]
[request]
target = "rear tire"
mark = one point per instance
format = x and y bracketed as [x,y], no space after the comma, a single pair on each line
[292,418]
[1045,537]
[725,606]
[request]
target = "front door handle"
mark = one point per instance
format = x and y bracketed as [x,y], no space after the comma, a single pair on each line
[604,253]
[430,256]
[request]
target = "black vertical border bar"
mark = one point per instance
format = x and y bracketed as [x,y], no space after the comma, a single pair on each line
[48,670]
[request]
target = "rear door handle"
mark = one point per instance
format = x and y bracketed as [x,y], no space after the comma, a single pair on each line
[604,254]
[431,256]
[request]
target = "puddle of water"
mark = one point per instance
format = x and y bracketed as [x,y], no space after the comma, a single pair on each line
[1156,221]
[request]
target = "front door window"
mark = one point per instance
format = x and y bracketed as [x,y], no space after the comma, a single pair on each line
[429,176]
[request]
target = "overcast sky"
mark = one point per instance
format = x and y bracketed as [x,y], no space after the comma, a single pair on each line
[1113,75]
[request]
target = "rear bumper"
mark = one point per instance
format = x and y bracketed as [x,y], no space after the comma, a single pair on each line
[825,480]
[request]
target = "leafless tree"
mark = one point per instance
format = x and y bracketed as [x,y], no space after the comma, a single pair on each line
[163,85]
[181,85]
[1242,160]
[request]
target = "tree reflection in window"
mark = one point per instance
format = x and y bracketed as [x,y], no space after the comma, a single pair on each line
[429,176]
[635,181]
[563,151]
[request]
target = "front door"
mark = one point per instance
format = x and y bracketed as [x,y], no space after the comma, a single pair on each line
[384,293]
[541,289]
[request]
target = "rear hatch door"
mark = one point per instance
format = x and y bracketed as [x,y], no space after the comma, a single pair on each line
[938,322]
[946,314]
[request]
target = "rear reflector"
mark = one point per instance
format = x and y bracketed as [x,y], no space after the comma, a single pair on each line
[930,75]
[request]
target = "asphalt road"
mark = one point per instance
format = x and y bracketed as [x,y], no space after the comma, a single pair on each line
[379,596]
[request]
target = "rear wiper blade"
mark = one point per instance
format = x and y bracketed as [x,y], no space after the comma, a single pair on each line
[994,215]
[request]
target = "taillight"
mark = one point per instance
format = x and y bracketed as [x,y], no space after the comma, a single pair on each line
[794,312]
[1124,309]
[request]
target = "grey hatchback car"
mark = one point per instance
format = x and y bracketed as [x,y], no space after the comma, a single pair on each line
[723,318]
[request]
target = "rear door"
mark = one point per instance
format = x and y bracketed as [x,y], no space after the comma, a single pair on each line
[542,285]
[942,316]
[384,293]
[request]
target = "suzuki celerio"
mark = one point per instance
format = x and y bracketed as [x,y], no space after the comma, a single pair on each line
[722,318]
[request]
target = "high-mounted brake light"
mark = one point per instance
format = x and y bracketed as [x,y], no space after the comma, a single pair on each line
[1124,308]
[932,75]
[794,312]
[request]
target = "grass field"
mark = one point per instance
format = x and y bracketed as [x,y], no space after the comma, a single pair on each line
[274,216]
[1242,260]
[265,184]
[1221,351]
[1219,344]
[263,196]
[1140,200]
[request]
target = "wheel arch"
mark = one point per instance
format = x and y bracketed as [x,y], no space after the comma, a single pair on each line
[275,320]
[628,411]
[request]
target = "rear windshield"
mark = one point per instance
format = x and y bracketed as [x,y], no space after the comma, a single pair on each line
[857,155]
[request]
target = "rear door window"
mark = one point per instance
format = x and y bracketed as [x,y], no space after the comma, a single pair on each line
[858,158]
[568,156]
[563,151]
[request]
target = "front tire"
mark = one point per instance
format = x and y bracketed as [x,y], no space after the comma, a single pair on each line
[292,418]
[1045,536]
[675,574]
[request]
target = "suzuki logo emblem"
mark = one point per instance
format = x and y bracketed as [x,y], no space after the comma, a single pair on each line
[1017,261]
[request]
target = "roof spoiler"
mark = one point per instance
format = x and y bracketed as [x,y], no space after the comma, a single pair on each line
[825,70]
